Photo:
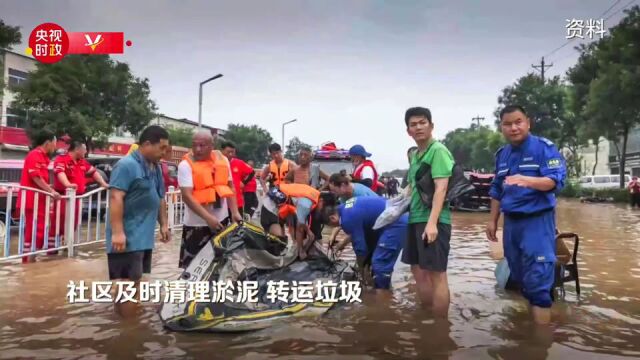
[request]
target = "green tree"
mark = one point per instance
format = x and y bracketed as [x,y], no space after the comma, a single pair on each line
[295,144]
[474,147]
[252,142]
[180,136]
[86,97]
[544,103]
[606,83]
[9,36]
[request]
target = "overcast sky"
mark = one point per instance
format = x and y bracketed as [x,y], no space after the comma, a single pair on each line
[347,70]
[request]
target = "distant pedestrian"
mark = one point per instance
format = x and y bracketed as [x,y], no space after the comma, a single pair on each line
[136,205]
[250,197]
[634,192]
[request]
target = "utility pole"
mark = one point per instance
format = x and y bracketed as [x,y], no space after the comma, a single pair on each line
[542,67]
[477,119]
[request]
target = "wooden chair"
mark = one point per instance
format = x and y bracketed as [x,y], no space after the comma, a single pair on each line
[566,268]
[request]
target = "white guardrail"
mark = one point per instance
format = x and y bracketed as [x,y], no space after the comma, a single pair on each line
[92,209]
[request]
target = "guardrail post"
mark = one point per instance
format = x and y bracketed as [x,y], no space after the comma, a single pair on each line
[69,225]
[170,208]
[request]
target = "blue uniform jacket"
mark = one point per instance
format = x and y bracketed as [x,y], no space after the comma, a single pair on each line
[537,157]
[357,217]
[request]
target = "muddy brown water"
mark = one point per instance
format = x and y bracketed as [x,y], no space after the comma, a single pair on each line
[37,322]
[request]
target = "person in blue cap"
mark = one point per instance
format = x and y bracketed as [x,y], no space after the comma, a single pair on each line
[364,170]
[377,248]
[529,174]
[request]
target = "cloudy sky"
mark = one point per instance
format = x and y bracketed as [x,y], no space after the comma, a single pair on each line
[347,70]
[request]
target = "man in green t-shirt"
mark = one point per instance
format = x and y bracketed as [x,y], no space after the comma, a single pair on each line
[427,246]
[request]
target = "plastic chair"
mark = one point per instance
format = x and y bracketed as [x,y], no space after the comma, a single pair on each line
[566,268]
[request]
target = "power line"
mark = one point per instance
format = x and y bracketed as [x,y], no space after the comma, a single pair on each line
[622,8]
[601,15]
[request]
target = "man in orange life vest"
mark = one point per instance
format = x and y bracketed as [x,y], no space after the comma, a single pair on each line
[205,181]
[277,169]
[71,170]
[35,174]
[365,172]
[299,200]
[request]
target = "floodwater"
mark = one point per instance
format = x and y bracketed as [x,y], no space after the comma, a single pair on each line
[37,322]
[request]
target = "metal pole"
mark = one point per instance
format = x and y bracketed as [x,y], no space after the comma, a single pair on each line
[200,108]
[200,98]
[283,124]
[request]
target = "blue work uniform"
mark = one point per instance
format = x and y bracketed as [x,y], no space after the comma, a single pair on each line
[357,217]
[529,221]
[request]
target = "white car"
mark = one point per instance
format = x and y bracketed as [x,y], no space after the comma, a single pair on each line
[603,181]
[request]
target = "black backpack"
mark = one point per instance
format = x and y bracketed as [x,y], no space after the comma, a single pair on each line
[458,185]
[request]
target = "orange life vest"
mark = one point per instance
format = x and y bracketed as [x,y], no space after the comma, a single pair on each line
[210,178]
[279,173]
[298,191]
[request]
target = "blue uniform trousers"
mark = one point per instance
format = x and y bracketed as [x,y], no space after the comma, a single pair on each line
[530,249]
[386,253]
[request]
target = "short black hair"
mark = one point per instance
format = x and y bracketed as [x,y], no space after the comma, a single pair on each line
[512,108]
[228,144]
[327,212]
[74,144]
[338,179]
[153,134]
[40,137]
[274,147]
[417,111]
[305,148]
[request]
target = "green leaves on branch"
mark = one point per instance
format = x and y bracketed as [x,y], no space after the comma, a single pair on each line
[252,142]
[474,148]
[86,97]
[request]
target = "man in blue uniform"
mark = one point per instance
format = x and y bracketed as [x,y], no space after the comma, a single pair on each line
[529,173]
[379,247]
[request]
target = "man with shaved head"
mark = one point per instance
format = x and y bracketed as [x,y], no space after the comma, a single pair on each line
[205,181]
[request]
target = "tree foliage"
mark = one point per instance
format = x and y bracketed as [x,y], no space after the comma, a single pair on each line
[86,97]
[252,142]
[9,35]
[180,136]
[474,147]
[295,144]
[606,83]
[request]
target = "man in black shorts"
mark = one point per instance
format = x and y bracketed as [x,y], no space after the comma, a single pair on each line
[427,246]
[136,204]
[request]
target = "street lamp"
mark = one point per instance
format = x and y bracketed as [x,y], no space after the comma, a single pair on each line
[283,124]
[200,99]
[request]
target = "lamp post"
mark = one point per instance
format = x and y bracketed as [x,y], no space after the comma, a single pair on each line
[200,99]
[283,124]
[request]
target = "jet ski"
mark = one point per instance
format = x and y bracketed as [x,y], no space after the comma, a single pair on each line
[242,255]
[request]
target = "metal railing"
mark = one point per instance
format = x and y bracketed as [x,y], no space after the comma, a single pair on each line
[64,236]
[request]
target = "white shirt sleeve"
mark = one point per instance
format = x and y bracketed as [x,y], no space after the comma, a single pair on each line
[185,176]
[367,173]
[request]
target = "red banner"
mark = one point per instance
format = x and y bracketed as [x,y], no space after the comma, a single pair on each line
[96,42]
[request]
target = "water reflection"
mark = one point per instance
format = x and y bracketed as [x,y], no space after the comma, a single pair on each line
[485,322]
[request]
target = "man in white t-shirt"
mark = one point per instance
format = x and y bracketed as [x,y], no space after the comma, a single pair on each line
[203,220]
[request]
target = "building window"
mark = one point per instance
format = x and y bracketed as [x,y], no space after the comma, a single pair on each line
[16,118]
[17,78]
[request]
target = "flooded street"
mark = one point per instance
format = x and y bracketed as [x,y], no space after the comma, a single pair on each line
[37,322]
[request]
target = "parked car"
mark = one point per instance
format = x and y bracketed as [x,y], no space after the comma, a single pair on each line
[603,181]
